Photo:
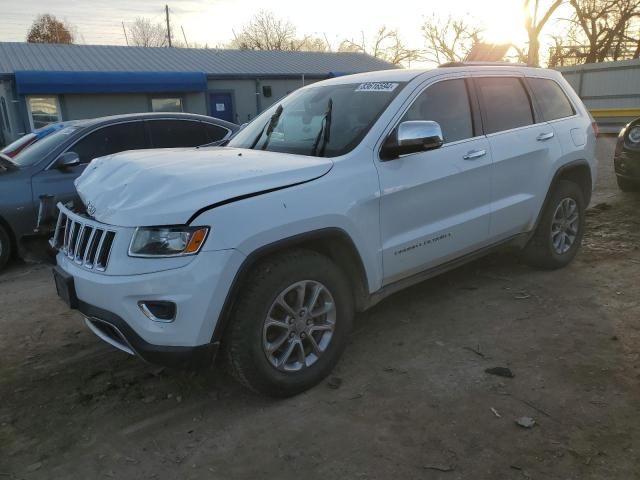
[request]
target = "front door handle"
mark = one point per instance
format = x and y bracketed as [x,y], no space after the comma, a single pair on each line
[545,136]
[475,154]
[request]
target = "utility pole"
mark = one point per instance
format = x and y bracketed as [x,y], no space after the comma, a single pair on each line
[166,9]
[125,34]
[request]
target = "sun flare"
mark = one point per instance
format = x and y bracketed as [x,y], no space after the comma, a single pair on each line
[506,23]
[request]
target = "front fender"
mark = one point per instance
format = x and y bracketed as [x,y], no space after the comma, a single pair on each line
[253,223]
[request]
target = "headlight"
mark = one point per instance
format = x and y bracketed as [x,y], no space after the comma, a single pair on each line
[167,241]
[634,134]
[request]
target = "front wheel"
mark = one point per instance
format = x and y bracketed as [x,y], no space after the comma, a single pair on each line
[559,233]
[290,323]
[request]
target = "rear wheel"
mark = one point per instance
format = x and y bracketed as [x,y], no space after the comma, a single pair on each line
[5,247]
[627,185]
[290,323]
[559,233]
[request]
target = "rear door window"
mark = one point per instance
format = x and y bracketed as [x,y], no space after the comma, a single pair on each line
[177,133]
[550,98]
[447,103]
[110,140]
[505,103]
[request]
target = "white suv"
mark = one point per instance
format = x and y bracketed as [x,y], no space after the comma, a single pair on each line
[342,193]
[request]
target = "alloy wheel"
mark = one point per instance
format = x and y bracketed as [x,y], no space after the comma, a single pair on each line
[564,226]
[299,326]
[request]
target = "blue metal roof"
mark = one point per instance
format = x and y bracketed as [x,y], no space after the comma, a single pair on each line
[213,62]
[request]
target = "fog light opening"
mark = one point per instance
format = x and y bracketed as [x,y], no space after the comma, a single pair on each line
[158,310]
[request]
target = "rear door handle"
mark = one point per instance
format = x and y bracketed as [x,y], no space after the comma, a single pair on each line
[545,136]
[475,154]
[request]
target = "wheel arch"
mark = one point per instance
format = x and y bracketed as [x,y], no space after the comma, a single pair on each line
[578,172]
[333,242]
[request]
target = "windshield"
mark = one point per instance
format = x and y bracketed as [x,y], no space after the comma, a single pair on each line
[323,121]
[36,152]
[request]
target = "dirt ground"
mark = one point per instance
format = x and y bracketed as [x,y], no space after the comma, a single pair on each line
[410,398]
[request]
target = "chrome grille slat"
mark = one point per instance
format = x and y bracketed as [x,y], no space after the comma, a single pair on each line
[84,241]
[94,251]
[81,232]
[73,235]
[65,243]
[97,256]
[56,236]
[88,248]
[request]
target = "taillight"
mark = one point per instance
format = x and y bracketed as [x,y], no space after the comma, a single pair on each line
[594,125]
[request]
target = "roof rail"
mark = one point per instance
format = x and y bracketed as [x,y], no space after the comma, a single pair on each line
[482,64]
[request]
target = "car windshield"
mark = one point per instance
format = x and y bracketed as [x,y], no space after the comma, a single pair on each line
[322,121]
[36,152]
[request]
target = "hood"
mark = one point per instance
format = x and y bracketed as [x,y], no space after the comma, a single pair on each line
[166,187]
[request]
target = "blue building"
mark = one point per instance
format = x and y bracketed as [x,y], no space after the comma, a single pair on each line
[44,83]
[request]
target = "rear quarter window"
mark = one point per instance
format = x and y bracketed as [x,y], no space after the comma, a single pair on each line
[551,99]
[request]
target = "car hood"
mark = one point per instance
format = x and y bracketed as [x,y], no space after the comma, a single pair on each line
[166,187]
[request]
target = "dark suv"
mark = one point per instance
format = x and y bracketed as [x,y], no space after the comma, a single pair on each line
[48,168]
[627,157]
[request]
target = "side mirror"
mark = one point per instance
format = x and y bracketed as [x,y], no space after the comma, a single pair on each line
[67,160]
[412,137]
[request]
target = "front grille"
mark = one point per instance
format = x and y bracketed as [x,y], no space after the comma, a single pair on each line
[85,242]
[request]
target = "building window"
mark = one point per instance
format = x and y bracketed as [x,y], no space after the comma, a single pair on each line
[5,115]
[165,104]
[43,111]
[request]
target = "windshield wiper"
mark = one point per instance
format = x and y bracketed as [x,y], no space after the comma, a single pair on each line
[325,132]
[270,126]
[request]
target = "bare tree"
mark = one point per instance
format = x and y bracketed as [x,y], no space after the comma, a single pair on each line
[605,25]
[144,33]
[314,44]
[449,40]
[266,32]
[566,49]
[48,29]
[535,20]
[386,44]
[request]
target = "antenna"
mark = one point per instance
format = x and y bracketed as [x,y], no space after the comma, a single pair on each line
[125,34]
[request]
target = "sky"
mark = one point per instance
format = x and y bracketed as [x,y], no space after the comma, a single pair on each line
[212,22]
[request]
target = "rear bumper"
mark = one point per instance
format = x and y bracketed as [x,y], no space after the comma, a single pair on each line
[115,331]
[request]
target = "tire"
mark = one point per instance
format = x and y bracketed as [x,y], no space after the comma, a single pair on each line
[5,247]
[627,185]
[248,338]
[542,251]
